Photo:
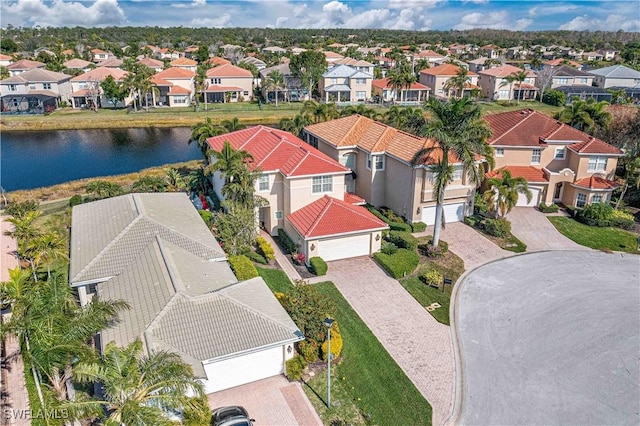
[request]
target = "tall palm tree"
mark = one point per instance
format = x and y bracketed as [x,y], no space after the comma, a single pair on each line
[175,181]
[296,124]
[46,249]
[203,131]
[359,109]
[228,161]
[519,77]
[460,135]
[588,116]
[320,112]
[502,195]
[139,390]
[508,80]
[458,82]
[232,125]
[200,82]
[275,82]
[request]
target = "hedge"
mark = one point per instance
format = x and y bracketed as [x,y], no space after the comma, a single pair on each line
[242,267]
[318,266]
[418,226]
[295,366]
[497,227]
[402,239]
[394,226]
[553,208]
[399,264]
[265,249]
[256,257]
[287,244]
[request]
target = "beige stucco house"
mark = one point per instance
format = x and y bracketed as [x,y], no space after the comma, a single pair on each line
[87,92]
[560,163]
[305,194]
[381,157]
[176,87]
[228,83]
[437,79]
[344,84]
[494,85]
[415,94]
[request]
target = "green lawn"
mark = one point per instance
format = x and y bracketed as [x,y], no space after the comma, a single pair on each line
[614,239]
[496,107]
[369,385]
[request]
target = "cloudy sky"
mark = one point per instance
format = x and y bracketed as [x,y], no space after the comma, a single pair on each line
[610,15]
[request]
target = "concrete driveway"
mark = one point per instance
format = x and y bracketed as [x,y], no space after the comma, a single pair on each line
[534,229]
[272,401]
[549,338]
[419,344]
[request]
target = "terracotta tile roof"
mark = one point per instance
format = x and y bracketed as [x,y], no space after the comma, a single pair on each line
[110,63]
[4,57]
[383,83]
[429,54]
[175,73]
[216,60]
[561,61]
[353,62]
[525,86]
[332,55]
[373,136]
[77,63]
[446,69]
[354,199]
[151,63]
[216,88]
[505,70]
[530,173]
[274,149]
[228,70]
[183,62]
[25,64]
[160,81]
[596,182]
[178,90]
[527,127]
[330,216]
[97,51]
[100,73]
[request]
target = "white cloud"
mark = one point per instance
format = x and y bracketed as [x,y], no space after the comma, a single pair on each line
[552,9]
[522,24]
[610,23]
[494,20]
[60,13]
[476,1]
[194,3]
[219,22]
[374,18]
[404,4]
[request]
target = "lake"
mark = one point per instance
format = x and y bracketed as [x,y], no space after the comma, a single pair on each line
[42,158]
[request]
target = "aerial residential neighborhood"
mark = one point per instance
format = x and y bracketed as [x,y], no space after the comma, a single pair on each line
[345,226]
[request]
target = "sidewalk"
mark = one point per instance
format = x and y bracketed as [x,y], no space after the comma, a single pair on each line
[281,258]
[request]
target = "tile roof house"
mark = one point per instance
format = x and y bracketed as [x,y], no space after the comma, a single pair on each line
[77,64]
[100,55]
[293,89]
[494,85]
[24,65]
[176,87]
[5,60]
[381,158]
[415,94]
[155,252]
[561,163]
[185,63]
[565,75]
[616,76]
[87,92]
[151,63]
[345,84]
[229,83]
[34,90]
[305,195]
[437,79]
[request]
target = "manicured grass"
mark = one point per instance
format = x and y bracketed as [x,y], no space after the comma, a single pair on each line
[510,242]
[614,239]
[367,375]
[276,279]
[497,107]
[426,295]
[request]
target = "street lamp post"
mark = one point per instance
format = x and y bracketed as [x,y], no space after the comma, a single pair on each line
[328,322]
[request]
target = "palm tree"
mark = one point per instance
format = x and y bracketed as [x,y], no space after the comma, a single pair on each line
[459,133]
[232,125]
[228,161]
[519,77]
[508,80]
[319,112]
[139,390]
[47,248]
[631,164]
[25,231]
[502,195]
[296,124]
[203,131]
[200,82]
[360,109]
[590,116]
[174,180]
[275,81]
[458,82]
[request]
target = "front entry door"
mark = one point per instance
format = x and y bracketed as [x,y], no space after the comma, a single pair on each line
[557,194]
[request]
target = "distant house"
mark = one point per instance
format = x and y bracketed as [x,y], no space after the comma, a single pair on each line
[566,75]
[491,51]
[259,64]
[34,91]
[274,50]
[555,63]
[5,60]
[416,93]
[112,62]
[217,60]
[608,54]
[78,64]
[343,84]
[298,50]
[481,64]
[332,57]
[437,79]
[228,83]
[429,55]
[154,252]
[591,56]
[495,86]
[87,92]
[616,76]
[24,65]
[176,87]
[99,55]
[185,63]
[153,64]
[357,64]
[293,90]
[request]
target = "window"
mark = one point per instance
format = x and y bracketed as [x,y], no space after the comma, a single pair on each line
[361,96]
[322,184]
[499,152]
[216,81]
[32,87]
[13,88]
[563,80]
[312,140]
[503,94]
[278,215]
[535,156]
[597,198]
[581,200]
[245,93]
[582,80]
[349,160]
[361,81]
[560,152]
[378,162]
[597,163]
[457,174]
[263,183]
[46,86]
[334,81]
[179,99]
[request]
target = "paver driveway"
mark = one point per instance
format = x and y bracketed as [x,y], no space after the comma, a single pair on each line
[418,343]
[537,232]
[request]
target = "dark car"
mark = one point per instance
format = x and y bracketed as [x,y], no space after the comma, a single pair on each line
[231,416]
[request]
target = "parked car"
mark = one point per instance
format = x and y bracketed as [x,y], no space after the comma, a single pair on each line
[231,416]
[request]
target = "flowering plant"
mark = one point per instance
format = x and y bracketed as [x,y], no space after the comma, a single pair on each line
[298,258]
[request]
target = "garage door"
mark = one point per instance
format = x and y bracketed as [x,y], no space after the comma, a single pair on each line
[535,198]
[244,369]
[343,248]
[452,213]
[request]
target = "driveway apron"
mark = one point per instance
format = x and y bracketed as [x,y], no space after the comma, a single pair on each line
[537,232]
[419,344]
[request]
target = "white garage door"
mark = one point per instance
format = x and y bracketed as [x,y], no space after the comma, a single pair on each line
[345,247]
[244,369]
[452,213]
[535,198]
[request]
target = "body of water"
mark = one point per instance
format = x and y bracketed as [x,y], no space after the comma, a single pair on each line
[43,158]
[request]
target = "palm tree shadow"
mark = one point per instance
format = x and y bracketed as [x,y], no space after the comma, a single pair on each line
[314,391]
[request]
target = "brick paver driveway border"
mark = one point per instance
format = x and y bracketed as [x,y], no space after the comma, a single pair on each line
[534,229]
[419,344]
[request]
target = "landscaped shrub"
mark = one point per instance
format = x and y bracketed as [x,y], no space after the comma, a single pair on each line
[149,184]
[479,204]
[256,257]
[418,226]
[207,217]
[395,226]
[553,208]
[399,264]
[430,250]
[388,248]
[497,227]
[307,307]
[336,343]
[573,211]
[309,350]
[75,200]
[376,213]
[265,249]
[443,245]
[402,239]
[287,244]
[472,221]
[318,266]
[295,366]
[554,97]
[622,219]
[298,258]
[433,277]
[18,210]
[242,267]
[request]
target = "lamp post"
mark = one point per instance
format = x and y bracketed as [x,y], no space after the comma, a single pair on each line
[328,322]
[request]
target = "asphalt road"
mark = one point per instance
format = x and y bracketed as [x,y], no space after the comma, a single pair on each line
[550,338]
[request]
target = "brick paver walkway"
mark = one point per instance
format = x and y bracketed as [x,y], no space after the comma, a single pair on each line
[420,345]
[14,398]
[281,258]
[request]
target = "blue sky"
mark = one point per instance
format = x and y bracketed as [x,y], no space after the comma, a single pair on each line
[592,15]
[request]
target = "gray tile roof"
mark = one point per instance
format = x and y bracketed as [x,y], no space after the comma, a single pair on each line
[108,234]
[616,71]
[344,71]
[38,75]
[568,71]
[337,88]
